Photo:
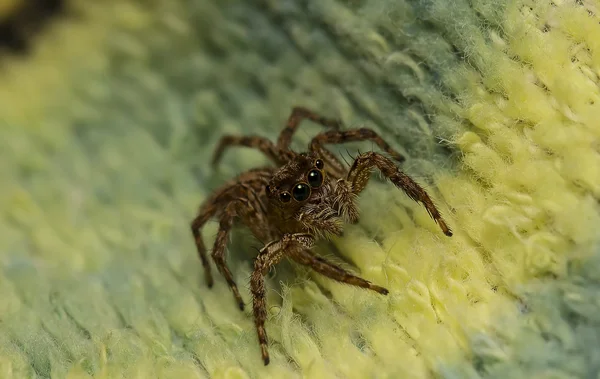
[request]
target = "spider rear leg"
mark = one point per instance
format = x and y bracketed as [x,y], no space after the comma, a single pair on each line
[269,256]
[353,135]
[298,114]
[262,144]
[240,207]
[333,271]
[359,175]
[248,182]
[196,225]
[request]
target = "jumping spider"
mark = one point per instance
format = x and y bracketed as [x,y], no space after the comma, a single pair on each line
[288,208]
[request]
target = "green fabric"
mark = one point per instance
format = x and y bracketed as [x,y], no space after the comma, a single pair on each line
[107,130]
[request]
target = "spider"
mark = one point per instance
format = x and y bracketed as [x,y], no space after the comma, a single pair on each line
[307,197]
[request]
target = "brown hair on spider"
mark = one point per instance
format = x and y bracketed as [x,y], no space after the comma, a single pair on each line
[305,197]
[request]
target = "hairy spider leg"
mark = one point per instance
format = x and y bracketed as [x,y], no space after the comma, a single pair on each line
[353,135]
[246,210]
[360,173]
[296,117]
[333,271]
[333,166]
[218,202]
[279,153]
[262,144]
[269,256]
[196,227]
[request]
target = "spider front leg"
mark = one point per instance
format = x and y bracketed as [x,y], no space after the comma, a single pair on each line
[269,256]
[359,175]
[333,271]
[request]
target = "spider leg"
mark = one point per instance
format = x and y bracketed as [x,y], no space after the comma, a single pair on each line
[333,271]
[354,135]
[255,177]
[359,175]
[196,226]
[217,202]
[298,114]
[264,145]
[249,210]
[269,256]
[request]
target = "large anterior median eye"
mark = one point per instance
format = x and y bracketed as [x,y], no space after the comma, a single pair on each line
[315,178]
[301,192]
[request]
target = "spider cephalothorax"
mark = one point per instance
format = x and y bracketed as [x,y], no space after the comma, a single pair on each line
[303,194]
[307,197]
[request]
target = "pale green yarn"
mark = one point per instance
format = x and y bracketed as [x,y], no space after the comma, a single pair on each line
[99,271]
[557,337]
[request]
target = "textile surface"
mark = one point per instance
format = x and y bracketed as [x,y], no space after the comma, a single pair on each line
[107,129]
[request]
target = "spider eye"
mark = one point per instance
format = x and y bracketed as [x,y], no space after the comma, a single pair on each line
[315,178]
[285,197]
[319,163]
[301,192]
[268,188]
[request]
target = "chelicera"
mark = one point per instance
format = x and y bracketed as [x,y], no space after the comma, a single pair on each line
[302,198]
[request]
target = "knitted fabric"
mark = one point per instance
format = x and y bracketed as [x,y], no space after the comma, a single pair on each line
[107,130]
